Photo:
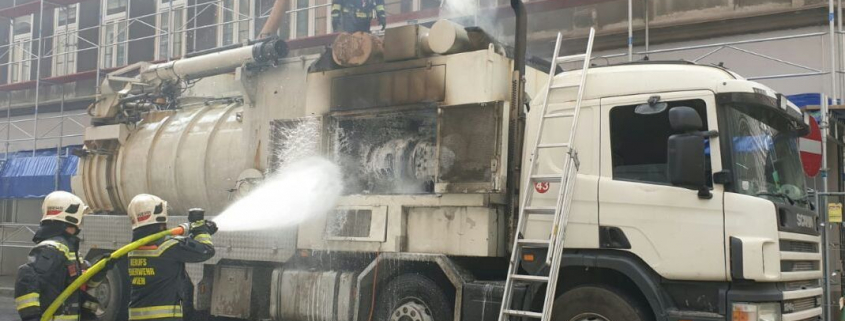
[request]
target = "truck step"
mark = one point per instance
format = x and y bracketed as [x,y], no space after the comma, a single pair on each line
[533,242]
[520,313]
[572,58]
[551,178]
[553,145]
[530,278]
[540,210]
[563,115]
[564,86]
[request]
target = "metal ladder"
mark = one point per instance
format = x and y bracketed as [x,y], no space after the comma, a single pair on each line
[564,199]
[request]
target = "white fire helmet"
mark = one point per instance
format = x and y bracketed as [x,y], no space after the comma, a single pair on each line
[63,207]
[146,209]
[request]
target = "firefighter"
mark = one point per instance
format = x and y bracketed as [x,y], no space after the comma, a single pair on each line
[54,263]
[356,15]
[157,271]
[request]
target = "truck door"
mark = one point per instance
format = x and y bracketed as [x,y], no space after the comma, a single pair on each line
[674,231]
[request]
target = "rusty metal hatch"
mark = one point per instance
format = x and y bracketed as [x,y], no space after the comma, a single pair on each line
[469,144]
[392,88]
[234,300]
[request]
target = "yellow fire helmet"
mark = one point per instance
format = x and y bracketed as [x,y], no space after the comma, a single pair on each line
[63,207]
[146,209]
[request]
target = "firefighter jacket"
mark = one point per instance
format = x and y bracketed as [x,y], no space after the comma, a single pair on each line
[158,276]
[356,15]
[53,265]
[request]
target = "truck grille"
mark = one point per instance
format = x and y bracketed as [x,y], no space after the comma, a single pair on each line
[798,305]
[798,266]
[798,246]
[801,285]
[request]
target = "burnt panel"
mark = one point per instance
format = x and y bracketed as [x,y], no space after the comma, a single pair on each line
[393,88]
[386,153]
[469,143]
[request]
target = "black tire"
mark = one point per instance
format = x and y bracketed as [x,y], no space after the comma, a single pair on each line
[113,293]
[597,303]
[414,291]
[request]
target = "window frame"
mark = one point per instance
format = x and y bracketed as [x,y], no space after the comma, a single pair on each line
[221,23]
[67,31]
[113,21]
[294,17]
[18,41]
[171,8]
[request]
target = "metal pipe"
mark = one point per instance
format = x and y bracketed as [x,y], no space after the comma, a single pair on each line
[832,45]
[271,26]
[216,63]
[630,31]
[37,77]
[824,129]
[647,12]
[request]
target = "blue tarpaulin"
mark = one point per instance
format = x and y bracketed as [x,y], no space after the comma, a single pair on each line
[808,99]
[23,175]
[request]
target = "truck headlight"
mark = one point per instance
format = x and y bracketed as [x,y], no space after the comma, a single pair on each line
[756,312]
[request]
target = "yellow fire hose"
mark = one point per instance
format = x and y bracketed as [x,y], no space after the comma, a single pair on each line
[82,279]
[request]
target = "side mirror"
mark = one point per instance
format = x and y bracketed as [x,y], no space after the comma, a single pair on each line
[686,157]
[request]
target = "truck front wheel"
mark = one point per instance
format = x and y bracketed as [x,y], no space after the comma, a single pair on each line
[597,303]
[412,298]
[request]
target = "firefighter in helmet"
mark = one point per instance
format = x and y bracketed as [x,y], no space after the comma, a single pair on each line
[54,263]
[356,15]
[160,284]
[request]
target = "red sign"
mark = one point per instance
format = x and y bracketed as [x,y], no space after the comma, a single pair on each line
[811,149]
[541,187]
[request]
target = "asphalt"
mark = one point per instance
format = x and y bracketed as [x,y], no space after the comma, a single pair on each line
[7,298]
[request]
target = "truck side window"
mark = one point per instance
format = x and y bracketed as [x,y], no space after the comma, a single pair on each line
[639,142]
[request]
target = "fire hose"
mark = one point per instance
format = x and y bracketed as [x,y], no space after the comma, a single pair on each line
[100,265]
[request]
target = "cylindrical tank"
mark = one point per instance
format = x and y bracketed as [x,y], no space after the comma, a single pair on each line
[191,158]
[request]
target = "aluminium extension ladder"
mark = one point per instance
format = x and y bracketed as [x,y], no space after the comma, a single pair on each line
[564,198]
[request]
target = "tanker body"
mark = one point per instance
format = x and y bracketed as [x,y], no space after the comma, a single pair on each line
[428,144]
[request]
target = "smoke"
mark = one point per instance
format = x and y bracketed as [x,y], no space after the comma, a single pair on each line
[300,190]
[458,8]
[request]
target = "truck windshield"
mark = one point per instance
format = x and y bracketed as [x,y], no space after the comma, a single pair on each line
[764,155]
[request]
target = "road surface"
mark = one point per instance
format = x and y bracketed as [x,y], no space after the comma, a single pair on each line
[7,308]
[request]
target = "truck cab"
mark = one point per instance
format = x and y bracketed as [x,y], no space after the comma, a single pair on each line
[744,245]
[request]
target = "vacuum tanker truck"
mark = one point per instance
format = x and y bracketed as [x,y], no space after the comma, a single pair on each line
[429,136]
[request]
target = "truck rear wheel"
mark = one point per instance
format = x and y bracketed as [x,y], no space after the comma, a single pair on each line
[113,293]
[413,298]
[597,303]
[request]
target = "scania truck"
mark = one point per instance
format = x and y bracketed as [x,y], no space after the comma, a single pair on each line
[432,137]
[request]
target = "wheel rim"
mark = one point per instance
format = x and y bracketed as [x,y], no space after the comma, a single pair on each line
[412,310]
[103,293]
[589,317]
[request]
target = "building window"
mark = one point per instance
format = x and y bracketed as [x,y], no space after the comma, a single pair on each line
[114,44]
[115,7]
[21,55]
[65,40]
[170,24]
[634,161]
[114,34]
[234,21]
[310,18]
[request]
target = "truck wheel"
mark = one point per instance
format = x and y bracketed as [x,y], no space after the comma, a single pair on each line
[413,298]
[597,303]
[113,294]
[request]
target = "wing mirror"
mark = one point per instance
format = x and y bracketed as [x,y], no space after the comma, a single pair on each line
[686,157]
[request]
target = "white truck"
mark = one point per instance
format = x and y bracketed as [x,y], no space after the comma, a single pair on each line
[430,146]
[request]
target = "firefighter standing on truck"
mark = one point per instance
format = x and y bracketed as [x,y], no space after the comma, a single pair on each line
[54,263]
[356,15]
[157,271]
